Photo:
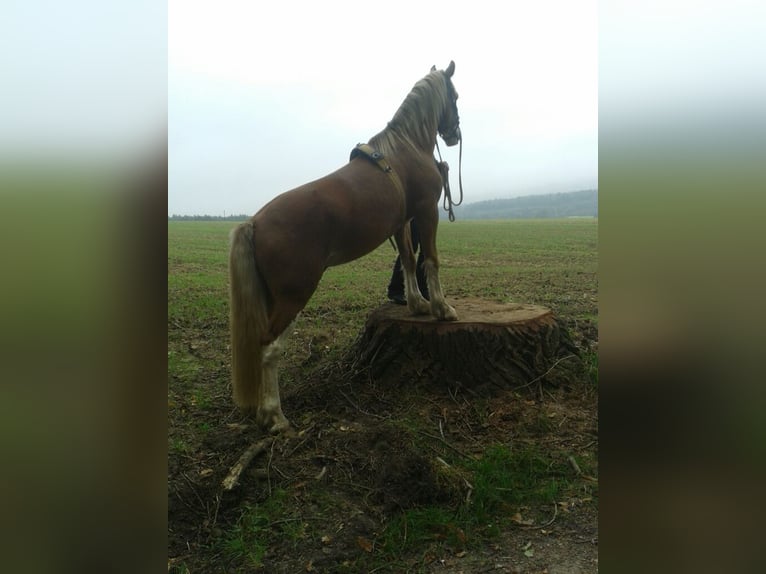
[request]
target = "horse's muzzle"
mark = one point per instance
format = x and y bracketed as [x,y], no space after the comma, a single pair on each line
[452,138]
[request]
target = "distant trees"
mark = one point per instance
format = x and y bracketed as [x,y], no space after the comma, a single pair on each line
[241,217]
[582,203]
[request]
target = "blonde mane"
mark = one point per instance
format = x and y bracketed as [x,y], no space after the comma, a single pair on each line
[416,121]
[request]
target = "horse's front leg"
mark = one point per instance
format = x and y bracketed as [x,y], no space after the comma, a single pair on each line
[427,223]
[416,303]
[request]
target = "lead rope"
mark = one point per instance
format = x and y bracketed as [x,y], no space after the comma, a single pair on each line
[448,204]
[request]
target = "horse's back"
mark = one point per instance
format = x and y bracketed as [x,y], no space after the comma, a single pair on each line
[332,220]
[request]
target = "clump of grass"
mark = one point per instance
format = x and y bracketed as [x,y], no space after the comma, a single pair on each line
[248,540]
[591,366]
[418,526]
[201,398]
[245,543]
[179,446]
[503,480]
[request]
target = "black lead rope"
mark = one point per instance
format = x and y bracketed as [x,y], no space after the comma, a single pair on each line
[448,204]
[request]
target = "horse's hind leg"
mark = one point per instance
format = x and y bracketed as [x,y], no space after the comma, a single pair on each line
[269,415]
[416,303]
[427,225]
[284,310]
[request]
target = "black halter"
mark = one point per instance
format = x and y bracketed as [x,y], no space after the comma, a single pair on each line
[454,132]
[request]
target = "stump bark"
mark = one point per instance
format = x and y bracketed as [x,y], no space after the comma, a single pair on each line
[492,345]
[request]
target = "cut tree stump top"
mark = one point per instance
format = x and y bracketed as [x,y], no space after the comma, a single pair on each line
[471,312]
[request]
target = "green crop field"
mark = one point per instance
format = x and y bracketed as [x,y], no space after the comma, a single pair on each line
[547,262]
[319,504]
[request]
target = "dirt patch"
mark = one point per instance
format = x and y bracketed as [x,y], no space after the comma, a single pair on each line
[368,453]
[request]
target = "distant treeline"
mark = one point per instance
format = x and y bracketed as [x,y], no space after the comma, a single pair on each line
[241,217]
[582,203]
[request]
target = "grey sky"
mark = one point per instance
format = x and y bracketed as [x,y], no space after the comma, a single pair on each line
[263,97]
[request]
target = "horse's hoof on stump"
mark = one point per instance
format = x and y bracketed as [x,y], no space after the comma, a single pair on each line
[447,313]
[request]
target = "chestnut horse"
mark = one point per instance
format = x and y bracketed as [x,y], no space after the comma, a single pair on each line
[278,257]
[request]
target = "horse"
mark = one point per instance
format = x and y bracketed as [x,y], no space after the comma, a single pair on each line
[277,258]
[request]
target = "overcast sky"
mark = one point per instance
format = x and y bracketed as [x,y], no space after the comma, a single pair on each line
[263,97]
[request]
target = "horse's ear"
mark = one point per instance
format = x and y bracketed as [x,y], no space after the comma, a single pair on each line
[433,68]
[450,69]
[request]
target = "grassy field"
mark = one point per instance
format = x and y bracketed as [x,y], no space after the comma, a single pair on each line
[379,478]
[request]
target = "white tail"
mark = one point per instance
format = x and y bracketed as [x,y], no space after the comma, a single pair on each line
[248,319]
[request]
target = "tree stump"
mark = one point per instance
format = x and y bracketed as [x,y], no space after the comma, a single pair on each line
[492,345]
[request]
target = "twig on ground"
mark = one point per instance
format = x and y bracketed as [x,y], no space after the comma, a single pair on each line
[244,460]
[279,472]
[445,443]
[579,472]
[297,519]
[268,466]
[553,366]
[304,433]
[217,507]
[468,485]
[467,389]
[555,513]
[353,404]
[574,464]
[193,486]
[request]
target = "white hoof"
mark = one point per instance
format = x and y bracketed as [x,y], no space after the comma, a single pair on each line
[445,313]
[273,422]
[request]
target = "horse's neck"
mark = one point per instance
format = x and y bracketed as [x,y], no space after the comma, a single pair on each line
[407,140]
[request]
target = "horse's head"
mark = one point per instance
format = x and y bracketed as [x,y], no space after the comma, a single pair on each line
[449,123]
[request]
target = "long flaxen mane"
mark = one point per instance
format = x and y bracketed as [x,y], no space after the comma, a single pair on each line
[416,120]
